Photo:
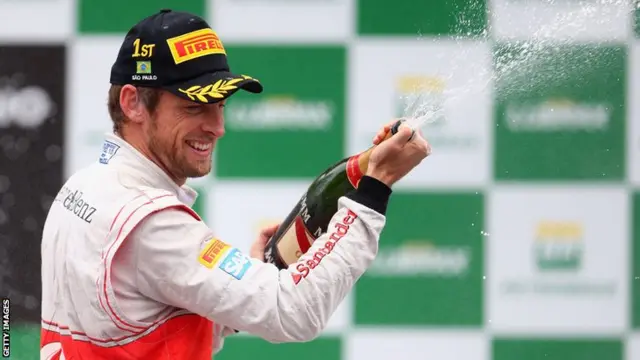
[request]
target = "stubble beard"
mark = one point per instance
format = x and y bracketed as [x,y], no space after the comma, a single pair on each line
[173,157]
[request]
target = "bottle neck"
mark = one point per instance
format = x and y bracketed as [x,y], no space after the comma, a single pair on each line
[363,157]
[358,164]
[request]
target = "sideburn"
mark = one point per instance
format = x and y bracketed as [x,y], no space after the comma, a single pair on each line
[166,159]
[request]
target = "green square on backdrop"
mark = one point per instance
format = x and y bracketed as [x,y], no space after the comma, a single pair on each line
[560,112]
[295,128]
[429,268]
[249,347]
[557,349]
[427,17]
[118,16]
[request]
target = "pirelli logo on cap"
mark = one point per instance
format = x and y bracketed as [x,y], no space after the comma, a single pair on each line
[194,45]
[212,253]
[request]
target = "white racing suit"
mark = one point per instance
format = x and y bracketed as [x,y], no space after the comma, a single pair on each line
[129,271]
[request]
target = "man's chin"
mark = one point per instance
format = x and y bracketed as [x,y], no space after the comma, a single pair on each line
[198,173]
[197,176]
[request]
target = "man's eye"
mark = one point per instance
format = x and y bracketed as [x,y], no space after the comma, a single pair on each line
[193,109]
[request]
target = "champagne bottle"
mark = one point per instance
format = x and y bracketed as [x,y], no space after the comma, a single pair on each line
[310,217]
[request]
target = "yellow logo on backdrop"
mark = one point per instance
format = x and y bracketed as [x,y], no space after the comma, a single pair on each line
[559,230]
[412,84]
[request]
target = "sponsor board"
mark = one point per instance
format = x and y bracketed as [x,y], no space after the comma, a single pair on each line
[283,20]
[557,260]
[439,250]
[553,107]
[565,20]
[452,94]
[291,130]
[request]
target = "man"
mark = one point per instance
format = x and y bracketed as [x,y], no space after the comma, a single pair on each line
[129,271]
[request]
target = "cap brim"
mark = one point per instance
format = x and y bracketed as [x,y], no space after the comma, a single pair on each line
[212,88]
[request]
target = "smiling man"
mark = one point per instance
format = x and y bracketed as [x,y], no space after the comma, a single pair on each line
[129,271]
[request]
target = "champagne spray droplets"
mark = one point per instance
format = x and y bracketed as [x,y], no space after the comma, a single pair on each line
[555,27]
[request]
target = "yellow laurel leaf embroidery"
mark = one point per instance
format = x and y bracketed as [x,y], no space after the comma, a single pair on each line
[218,90]
[229,85]
[205,89]
[202,92]
[190,91]
[216,86]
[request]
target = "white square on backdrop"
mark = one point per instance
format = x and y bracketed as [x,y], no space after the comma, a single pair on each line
[386,75]
[594,20]
[90,61]
[52,20]
[632,347]
[633,106]
[411,344]
[558,260]
[282,20]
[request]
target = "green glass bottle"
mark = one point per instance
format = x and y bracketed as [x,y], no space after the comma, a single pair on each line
[310,217]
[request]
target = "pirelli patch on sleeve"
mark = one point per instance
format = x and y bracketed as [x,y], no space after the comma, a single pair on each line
[213,252]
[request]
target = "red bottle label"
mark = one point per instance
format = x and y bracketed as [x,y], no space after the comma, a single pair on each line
[354,173]
[303,236]
[295,241]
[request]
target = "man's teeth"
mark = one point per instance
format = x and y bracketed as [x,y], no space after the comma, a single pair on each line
[199,146]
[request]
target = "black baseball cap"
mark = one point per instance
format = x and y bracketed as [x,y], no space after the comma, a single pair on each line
[178,52]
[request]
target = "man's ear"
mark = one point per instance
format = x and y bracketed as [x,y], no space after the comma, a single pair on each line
[131,104]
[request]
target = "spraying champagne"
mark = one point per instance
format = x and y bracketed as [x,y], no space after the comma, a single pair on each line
[311,215]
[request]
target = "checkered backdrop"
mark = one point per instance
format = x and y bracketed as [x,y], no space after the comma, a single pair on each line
[516,240]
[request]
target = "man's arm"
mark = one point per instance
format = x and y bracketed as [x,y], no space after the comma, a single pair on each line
[182,264]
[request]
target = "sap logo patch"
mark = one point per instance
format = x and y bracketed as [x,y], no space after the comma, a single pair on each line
[235,264]
[109,150]
[210,255]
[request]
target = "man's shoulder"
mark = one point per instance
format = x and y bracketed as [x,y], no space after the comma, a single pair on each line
[112,181]
[113,192]
[109,189]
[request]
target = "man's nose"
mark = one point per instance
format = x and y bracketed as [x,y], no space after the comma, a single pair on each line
[214,125]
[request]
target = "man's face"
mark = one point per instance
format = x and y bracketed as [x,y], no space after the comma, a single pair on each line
[182,135]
